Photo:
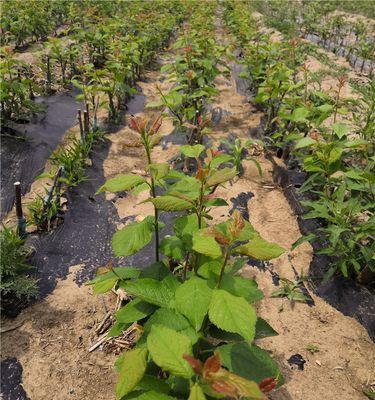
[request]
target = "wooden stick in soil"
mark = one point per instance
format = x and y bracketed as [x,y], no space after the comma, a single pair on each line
[99,328]
[101,340]
[85,122]
[21,221]
[82,133]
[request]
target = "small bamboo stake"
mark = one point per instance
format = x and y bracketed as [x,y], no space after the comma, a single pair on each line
[85,122]
[21,221]
[48,76]
[81,131]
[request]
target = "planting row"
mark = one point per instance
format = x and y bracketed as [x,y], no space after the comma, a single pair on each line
[191,310]
[315,21]
[103,56]
[324,134]
[124,55]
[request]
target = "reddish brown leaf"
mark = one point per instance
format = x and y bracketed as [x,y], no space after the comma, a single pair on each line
[267,385]
[195,364]
[211,365]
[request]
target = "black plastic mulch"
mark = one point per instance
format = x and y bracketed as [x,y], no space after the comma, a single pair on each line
[23,160]
[11,380]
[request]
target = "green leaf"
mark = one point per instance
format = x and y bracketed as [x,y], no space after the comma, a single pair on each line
[303,239]
[132,370]
[170,203]
[159,171]
[192,299]
[149,382]
[299,114]
[210,269]
[104,285]
[153,395]
[135,310]
[167,348]
[117,329]
[155,104]
[105,282]
[304,142]
[133,237]
[170,319]
[206,245]
[232,314]
[220,176]
[241,287]
[340,130]
[173,247]
[196,392]
[263,329]
[334,155]
[184,227]
[192,151]
[121,182]
[153,291]
[249,361]
[156,271]
[260,249]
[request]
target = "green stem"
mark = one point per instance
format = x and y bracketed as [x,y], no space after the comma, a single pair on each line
[226,257]
[153,193]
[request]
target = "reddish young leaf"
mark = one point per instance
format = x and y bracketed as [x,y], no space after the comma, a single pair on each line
[267,385]
[224,388]
[211,365]
[195,364]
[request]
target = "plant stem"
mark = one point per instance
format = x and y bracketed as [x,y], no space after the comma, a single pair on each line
[153,193]
[226,257]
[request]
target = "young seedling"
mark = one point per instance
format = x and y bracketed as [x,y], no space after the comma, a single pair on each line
[291,290]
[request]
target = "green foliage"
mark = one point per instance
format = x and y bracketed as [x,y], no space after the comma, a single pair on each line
[291,290]
[14,269]
[42,213]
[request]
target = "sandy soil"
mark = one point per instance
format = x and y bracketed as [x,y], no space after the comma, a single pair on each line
[52,343]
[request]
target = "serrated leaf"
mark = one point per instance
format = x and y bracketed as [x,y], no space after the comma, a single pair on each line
[104,285]
[149,382]
[133,237]
[304,142]
[206,245]
[167,348]
[134,311]
[173,320]
[159,171]
[260,249]
[170,203]
[196,392]
[184,227]
[152,291]
[232,314]
[153,395]
[220,176]
[299,114]
[186,303]
[263,329]
[340,129]
[192,151]
[132,370]
[241,287]
[173,247]
[121,183]
[249,361]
